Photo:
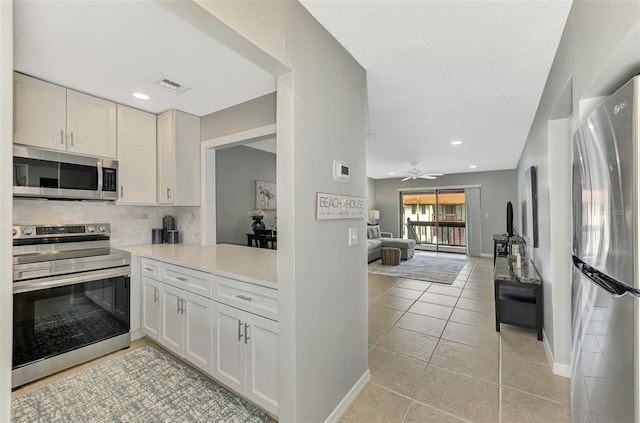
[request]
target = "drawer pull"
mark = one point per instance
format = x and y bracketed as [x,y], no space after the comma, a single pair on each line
[239,330]
[242,297]
[148,269]
[182,278]
[246,336]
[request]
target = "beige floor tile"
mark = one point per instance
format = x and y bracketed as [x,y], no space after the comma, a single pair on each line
[385,315]
[534,378]
[458,283]
[413,284]
[397,303]
[472,361]
[444,290]
[479,286]
[410,294]
[422,324]
[395,371]
[473,305]
[446,300]
[521,407]
[380,286]
[474,318]
[472,335]
[377,405]
[472,294]
[376,331]
[419,413]
[409,343]
[373,297]
[522,343]
[464,396]
[432,310]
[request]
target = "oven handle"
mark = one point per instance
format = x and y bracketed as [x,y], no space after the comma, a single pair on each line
[72,279]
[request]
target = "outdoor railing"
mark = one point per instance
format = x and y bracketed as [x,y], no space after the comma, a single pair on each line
[448,233]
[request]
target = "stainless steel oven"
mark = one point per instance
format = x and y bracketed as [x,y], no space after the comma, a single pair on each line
[50,174]
[71,298]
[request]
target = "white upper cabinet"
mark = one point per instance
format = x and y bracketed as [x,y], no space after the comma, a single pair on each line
[40,113]
[49,116]
[136,156]
[91,125]
[178,159]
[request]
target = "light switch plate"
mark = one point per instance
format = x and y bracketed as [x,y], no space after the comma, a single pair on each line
[353,236]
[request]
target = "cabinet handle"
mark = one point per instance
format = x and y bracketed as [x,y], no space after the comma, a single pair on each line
[62,136]
[239,330]
[155,295]
[168,192]
[71,135]
[182,278]
[121,191]
[178,306]
[242,297]
[148,269]
[184,305]
[246,335]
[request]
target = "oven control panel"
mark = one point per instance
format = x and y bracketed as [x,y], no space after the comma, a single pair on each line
[46,231]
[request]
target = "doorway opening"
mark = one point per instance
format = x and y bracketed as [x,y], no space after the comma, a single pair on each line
[436,219]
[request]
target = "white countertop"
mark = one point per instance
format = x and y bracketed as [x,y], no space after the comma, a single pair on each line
[250,264]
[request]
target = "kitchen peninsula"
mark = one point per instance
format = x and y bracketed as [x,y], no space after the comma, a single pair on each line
[214,306]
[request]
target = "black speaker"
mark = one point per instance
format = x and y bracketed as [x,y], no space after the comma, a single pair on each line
[509,219]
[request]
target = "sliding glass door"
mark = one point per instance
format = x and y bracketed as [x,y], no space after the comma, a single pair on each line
[435,219]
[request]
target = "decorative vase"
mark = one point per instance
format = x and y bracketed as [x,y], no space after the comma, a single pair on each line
[257,224]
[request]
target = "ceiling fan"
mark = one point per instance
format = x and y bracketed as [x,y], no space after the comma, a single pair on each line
[416,173]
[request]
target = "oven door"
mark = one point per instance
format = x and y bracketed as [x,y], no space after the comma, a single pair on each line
[53,316]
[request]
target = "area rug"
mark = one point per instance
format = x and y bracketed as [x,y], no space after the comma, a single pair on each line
[424,267]
[141,386]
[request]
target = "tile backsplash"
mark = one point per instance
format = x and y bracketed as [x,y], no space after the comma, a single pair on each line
[130,225]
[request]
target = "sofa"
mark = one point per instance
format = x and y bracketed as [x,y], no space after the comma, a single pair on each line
[377,239]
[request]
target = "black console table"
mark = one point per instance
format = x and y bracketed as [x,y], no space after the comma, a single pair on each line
[518,295]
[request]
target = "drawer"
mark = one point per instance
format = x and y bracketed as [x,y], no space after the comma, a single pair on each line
[191,280]
[150,268]
[246,296]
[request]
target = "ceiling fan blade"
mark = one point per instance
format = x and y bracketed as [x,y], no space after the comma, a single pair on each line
[427,177]
[406,179]
[435,174]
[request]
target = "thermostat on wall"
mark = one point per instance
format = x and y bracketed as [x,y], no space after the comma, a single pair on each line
[341,171]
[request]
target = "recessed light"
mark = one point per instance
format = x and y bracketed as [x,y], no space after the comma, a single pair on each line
[392,173]
[472,167]
[140,96]
[457,142]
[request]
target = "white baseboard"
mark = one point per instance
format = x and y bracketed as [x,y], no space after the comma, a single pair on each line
[348,399]
[137,334]
[558,369]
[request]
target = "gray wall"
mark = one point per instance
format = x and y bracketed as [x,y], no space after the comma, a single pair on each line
[496,189]
[237,169]
[598,52]
[320,117]
[371,194]
[260,111]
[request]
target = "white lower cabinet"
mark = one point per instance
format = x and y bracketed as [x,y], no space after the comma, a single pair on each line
[245,355]
[228,341]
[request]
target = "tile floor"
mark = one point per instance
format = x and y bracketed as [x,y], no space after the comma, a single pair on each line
[435,356]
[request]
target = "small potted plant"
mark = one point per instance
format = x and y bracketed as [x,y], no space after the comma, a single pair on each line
[257,216]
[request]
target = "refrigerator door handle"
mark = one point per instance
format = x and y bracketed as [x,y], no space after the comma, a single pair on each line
[606,282]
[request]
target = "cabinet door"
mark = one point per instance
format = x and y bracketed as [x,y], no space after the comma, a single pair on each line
[136,156]
[39,116]
[166,162]
[228,346]
[198,331]
[150,307]
[91,125]
[171,319]
[261,358]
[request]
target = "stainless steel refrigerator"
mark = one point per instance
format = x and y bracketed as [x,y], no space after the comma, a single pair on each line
[605,314]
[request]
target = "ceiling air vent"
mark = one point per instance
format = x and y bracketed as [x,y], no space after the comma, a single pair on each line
[170,83]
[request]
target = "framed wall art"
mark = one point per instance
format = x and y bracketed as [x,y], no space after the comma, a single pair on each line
[266,195]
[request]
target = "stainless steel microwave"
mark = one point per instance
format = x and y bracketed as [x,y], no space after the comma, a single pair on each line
[39,173]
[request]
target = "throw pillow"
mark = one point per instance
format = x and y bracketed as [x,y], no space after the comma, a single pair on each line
[373,232]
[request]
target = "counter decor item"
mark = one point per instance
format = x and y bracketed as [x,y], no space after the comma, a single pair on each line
[157,236]
[257,216]
[173,236]
[168,224]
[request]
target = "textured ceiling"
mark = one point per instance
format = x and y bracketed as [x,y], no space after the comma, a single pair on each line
[113,48]
[440,71]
